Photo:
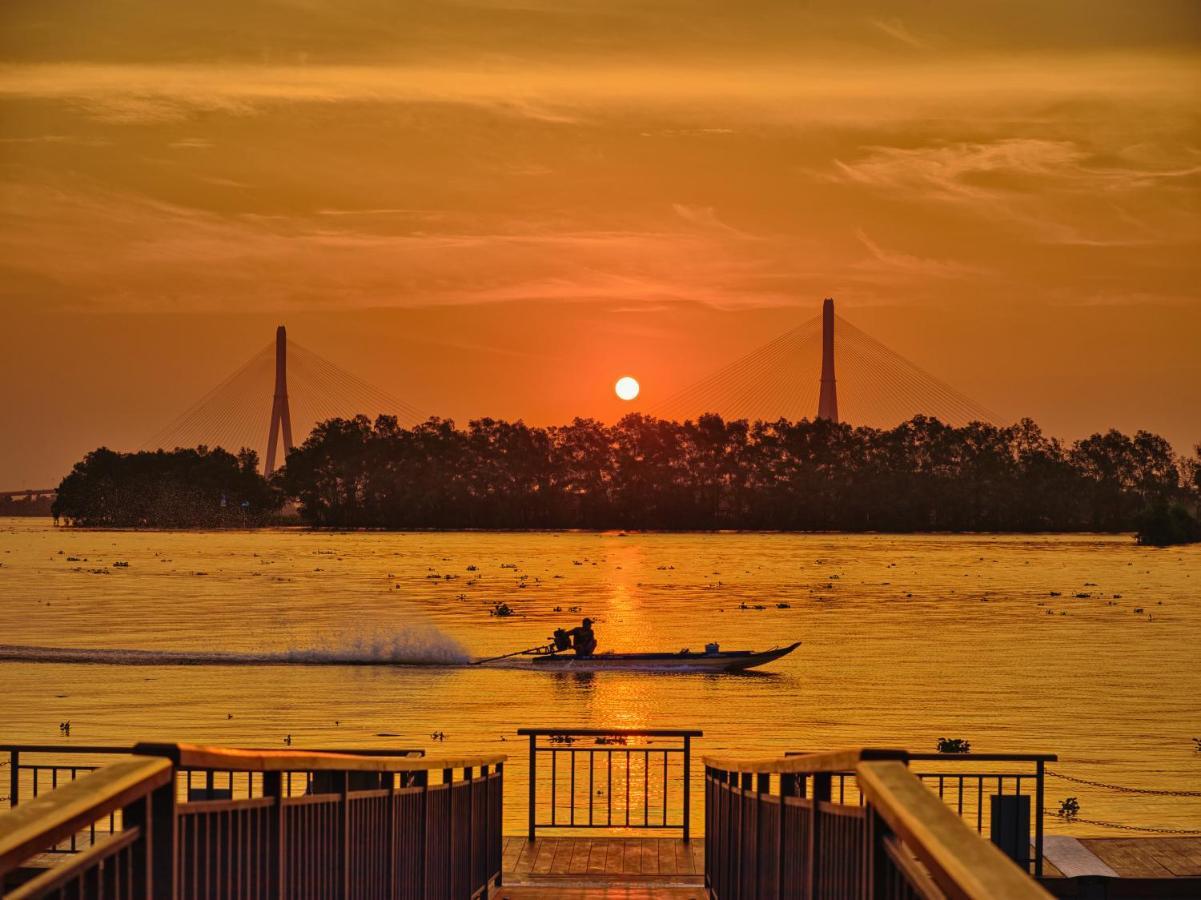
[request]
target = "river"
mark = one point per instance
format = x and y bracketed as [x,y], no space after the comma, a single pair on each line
[1087,646]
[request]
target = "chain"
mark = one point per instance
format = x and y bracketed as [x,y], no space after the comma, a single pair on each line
[1156,830]
[1123,789]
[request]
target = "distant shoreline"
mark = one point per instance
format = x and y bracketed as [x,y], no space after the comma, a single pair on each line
[614,532]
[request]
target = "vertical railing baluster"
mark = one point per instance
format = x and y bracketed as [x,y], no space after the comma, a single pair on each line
[273,787]
[788,788]
[14,778]
[609,790]
[533,787]
[646,788]
[687,787]
[980,804]
[664,788]
[1039,771]
[821,794]
[342,832]
[448,779]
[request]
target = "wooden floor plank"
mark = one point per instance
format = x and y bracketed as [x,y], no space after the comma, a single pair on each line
[546,856]
[530,857]
[683,854]
[1181,856]
[631,857]
[650,856]
[598,857]
[582,848]
[562,861]
[512,853]
[613,857]
[1129,857]
[667,856]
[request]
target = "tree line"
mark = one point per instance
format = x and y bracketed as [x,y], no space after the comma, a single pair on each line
[182,488]
[648,473]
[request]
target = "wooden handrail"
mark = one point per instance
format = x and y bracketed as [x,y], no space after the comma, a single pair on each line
[613,732]
[63,748]
[43,821]
[196,756]
[830,761]
[128,748]
[962,863]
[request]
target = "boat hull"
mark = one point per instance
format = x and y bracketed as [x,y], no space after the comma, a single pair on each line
[723,661]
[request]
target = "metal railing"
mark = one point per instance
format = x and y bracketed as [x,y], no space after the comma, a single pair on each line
[965,781]
[366,826]
[34,769]
[55,764]
[632,770]
[774,830]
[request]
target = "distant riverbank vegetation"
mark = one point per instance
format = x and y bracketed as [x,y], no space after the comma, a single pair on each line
[646,473]
[183,488]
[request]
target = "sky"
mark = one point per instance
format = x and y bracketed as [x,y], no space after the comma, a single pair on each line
[498,207]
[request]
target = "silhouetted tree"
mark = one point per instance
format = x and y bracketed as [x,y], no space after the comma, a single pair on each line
[183,488]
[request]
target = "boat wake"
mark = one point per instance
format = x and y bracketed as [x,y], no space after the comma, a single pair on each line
[413,646]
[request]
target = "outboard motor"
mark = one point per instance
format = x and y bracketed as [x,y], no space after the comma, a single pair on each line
[711,648]
[561,640]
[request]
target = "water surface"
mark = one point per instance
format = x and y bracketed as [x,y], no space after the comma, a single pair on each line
[906,639]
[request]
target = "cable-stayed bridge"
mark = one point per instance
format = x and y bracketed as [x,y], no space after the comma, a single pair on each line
[823,368]
[282,384]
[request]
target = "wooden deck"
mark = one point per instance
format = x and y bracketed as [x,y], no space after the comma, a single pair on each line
[644,862]
[649,868]
[610,892]
[1145,857]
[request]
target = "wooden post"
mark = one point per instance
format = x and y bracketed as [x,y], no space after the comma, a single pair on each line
[821,793]
[273,787]
[14,780]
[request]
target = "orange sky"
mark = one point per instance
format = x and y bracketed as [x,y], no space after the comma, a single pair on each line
[498,207]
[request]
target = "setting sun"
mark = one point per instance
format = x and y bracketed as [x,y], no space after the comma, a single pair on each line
[626,388]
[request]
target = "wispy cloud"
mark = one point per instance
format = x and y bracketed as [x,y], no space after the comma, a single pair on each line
[1051,188]
[897,30]
[894,263]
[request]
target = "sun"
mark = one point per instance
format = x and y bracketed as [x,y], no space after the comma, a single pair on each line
[626,388]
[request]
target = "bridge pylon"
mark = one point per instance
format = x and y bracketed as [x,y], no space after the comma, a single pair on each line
[827,403]
[281,416]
